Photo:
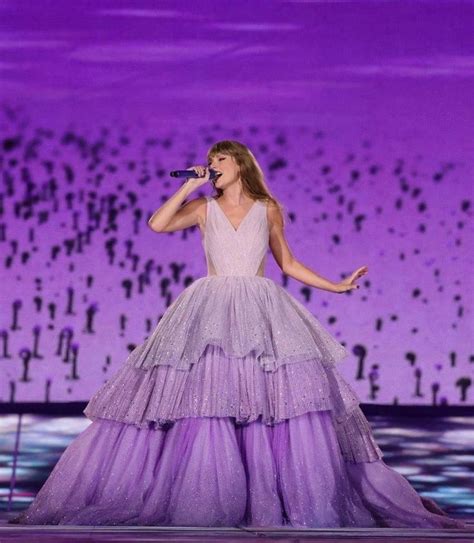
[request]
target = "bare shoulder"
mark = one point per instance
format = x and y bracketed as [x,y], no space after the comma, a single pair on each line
[274,214]
[198,203]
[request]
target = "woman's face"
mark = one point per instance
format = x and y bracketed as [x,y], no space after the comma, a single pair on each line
[227,166]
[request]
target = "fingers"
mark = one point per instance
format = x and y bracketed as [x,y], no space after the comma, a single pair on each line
[360,272]
[201,171]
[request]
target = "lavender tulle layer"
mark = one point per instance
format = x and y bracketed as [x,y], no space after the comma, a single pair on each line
[244,315]
[208,471]
[219,386]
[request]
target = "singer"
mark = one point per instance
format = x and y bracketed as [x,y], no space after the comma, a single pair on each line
[233,411]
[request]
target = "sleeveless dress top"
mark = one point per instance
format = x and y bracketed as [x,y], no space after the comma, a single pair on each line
[236,252]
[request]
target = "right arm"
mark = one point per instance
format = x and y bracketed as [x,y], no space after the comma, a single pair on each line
[172,215]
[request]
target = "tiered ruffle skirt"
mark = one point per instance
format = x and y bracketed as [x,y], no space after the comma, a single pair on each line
[232,413]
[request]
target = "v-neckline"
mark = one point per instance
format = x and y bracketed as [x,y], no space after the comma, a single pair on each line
[236,230]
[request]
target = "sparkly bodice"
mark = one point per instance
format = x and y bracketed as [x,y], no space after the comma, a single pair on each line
[235,252]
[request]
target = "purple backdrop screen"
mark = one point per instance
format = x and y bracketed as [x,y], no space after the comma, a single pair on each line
[360,116]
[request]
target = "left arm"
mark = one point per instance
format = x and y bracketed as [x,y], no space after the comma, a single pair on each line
[292,267]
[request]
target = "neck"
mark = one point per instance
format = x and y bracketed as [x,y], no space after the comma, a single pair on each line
[234,196]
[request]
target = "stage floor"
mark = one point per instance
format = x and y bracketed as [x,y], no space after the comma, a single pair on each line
[79,534]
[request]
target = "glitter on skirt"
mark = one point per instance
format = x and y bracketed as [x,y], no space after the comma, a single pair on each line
[206,471]
[232,413]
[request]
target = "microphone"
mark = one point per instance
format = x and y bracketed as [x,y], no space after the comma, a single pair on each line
[192,173]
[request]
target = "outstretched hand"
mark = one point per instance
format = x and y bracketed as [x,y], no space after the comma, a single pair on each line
[349,282]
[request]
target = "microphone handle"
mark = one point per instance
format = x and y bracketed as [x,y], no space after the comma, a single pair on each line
[190,173]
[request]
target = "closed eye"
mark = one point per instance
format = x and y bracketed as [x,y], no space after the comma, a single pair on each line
[222,158]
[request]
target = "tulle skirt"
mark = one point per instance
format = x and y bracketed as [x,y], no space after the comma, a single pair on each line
[210,471]
[232,413]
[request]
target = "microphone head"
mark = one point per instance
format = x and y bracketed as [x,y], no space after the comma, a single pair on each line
[212,174]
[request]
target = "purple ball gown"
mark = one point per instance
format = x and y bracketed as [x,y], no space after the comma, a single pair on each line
[231,413]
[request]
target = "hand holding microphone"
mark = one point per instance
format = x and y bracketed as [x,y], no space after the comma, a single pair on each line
[199,176]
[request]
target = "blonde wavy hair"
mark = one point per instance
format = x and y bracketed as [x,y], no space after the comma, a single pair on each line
[253,180]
